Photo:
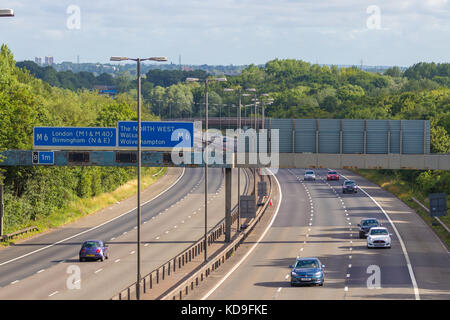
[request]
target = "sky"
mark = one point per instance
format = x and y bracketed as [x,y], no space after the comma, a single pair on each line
[223,32]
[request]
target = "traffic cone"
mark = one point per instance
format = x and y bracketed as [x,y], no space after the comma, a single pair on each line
[270,203]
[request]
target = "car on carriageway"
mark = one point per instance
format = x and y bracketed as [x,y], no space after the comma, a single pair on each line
[332,175]
[309,175]
[93,250]
[379,237]
[365,225]
[349,186]
[307,271]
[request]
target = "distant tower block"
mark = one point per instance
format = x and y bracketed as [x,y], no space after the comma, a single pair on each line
[38,60]
[179,61]
[49,60]
[78,59]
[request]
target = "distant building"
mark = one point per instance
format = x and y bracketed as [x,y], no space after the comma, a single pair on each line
[186,68]
[38,60]
[49,60]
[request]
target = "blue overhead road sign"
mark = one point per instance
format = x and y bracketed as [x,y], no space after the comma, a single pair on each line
[74,138]
[156,135]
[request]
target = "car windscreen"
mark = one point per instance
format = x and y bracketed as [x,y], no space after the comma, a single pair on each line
[349,183]
[332,172]
[378,232]
[309,172]
[91,244]
[370,223]
[307,264]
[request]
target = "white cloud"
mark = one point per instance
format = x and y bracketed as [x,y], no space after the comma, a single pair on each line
[329,30]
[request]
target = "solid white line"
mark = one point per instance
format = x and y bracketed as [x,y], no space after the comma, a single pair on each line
[253,247]
[93,228]
[402,244]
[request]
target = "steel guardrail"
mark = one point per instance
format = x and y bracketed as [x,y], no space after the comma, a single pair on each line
[181,259]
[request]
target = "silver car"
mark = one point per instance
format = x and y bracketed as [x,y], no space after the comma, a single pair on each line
[309,175]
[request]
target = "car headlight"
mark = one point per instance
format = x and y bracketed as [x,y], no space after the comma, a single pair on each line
[293,273]
[318,274]
[369,239]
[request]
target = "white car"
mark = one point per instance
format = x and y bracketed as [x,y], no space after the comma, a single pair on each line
[378,237]
[310,175]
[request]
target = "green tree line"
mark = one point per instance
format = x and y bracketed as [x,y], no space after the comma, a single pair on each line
[33,193]
[304,90]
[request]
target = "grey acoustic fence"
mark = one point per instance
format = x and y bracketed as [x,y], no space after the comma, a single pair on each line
[351,136]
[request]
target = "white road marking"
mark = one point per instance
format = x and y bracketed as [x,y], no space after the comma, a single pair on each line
[114,237]
[349,265]
[348,275]
[52,294]
[346,289]
[42,270]
[99,270]
[254,245]
[133,252]
[117,260]
[146,245]
[279,289]
[14,282]
[402,244]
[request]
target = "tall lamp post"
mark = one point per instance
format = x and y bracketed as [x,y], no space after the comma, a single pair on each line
[205,152]
[139,60]
[239,128]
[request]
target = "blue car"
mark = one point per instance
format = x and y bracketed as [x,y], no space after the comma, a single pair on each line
[93,250]
[307,271]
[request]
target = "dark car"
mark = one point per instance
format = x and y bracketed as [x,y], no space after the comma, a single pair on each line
[365,225]
[307,271]
[93,250]
[349,186]
[332,175]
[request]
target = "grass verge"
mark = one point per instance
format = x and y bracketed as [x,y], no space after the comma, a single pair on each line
[404,191]
[81,207]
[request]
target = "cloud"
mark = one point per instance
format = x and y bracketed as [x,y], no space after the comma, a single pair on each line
[324,29]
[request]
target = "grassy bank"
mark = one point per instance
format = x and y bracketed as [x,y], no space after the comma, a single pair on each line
[404,190]
[81,207]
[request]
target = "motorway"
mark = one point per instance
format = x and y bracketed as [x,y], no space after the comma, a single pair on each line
[42,268]
[314,219]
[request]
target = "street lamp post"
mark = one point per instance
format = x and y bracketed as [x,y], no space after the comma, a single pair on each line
[138,60]
[239,128]
[205,154]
